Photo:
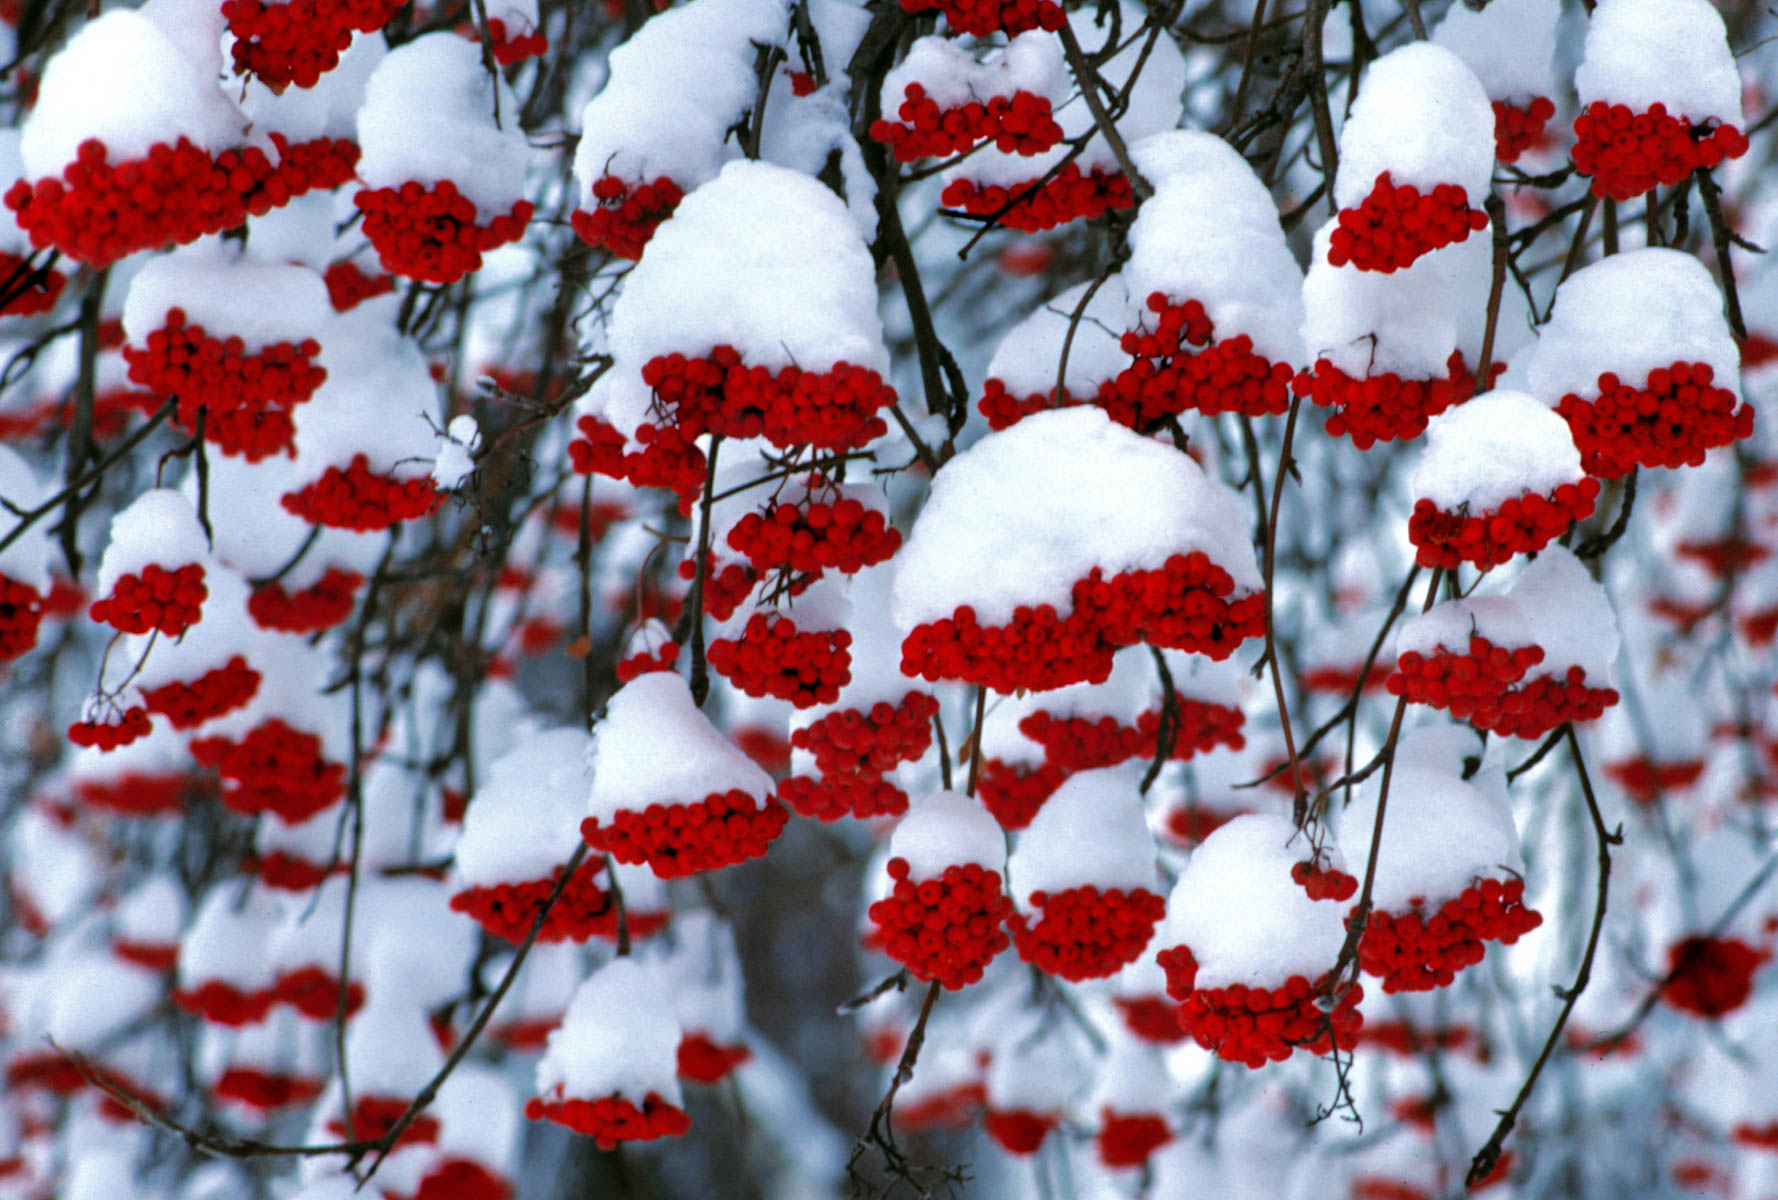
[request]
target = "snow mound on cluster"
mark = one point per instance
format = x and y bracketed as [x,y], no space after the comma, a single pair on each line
[1640,53]
[229,294]
[655,747]
[620,1036]
[1423,117]
[1495,448]
[1030,355]
[1091,831]
[1510,45]
[524,821]
[947,829]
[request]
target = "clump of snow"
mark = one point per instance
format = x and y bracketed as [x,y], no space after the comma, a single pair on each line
[478,1117]
[1091,831]
[947,829]
[1569,615]
[1132,1079]
[952,78]
[704,969]
[229,293]
[1020,516]
[1510,45]
[764,259]
[457,447]
[1422,116]
[620,1036]
[1452,623]
[153,911]
[27,559]
[330,108]
[159,527]
[228,939]
[875,672]
[390,1049]
[524,820]
[1030,354]
[1630,314]
[655,747]
[428,116]
[1673,52]
[376,402]
[1243,917]
[1032,1069]
[1497,447]
[415,947]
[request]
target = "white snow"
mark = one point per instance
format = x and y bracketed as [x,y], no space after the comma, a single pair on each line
[375,402]
[1452,623]
[655,747]
[230,294]
[524,820]
[1030,355]
[1510,45]
[952,77]
[1091,831]
[478,1117]
[457,448]
[390,1050]
[229,938]
[1497,447]
[159,527]
[27,559]
[947,829]
[1569,615]
[620,1037]
[1422,116]
[1673,52]
[153,911]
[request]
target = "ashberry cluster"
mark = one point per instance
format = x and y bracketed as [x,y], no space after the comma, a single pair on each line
[1323,882]
[612,1119]
[1466,683]
[1080,744]
[1670,421]
[508,910]
[1170,377]
[321,605]
[979,18]
[644,661]
[1711,976]
[1039,204]
[1152,1018]
[1021,123]
[21,615]
[1083,933]
[668,458]
[946,929]
[186,705]
[348,286]
[274,768]
[35,299]
[1257,1025]
[361,500]
[300,40]
[1396,225]
[374,1117]
[511,46]
[625,218]
[1644,779]
[1517,130]
[288,873]
[430,234]
[1414,952]
[224,1004]
[834,410]
[810,537]
[1543,703]
[1013,793]
[1019,1131]
[1384,407]
[320,164]
[722,829]
[702,1060]
[315,993]
[1003,410]
[157,599]
[772,657]
[853,750]
[1625,153]
[1128,1140]
[264,1091]
[246,396]
[134,794]
[726,584]
[118,727]
[1521,525]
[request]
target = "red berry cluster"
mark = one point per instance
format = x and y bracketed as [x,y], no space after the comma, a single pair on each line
[1542,703]
[1035,205]
[21,614]
[1079,744]
[1724,557]
[1013,793]
[1396,225]
[1129,1140]
[1019,1131]
[1083,933]
[946,929]
[1018,124]
[374,1117]
[1168,377]
[834,410]
[722,829]
[298,41]
[315,993]
[430,233]
[1413,952]
[1004,410]
[726,585]
[1256,1025]
[1711,977]
[224,1004]
[1625,153]
[1189,824]
[1342,681]
[1182,606]
[321,605]
[830,797]
[1517,130]
[1467,683]
[809,538]
[133,794]
[288,873]
[704,1061]
[1404,1039]
[150,956]
[511,46]
[275,769]
[39,297]
[321,164]
[624,219]
[1323,882]
[264,1091]
[246,396]
[360,500]
[1152,1018]
[348,287]
[508,910]
[1762,1137]
[129,725]
[170,601]
[669,458]
[1385,407]
[853,750]
[94,213]
[212,694]
[1643,779]
[773,658]
[644,662]
[1670,421]
[979,18]
[462,1179]
[613,1119]
[1522,525]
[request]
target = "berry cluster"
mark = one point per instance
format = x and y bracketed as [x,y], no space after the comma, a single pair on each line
[1256,1025]
[93,213]
[1079,744]
[834,410]
[1517,130]
[1384,407]
[1393,226]
[430,234]
[21,615]
[150,956]
[726,585]
[300,40]
[1522,525]
[1542,703]
[287,873]
[1468,683]
[644,662]
[1763,1137]
[946,929]
[1323,882]
[263,1091]
[157,599]
[612,1119]
[511,46]
[1413,952]
[348,286]
[508,910]
[315,993]
[1152,1018]
[246,396]
[1036,205]
[119,728]
[1017,124]
[134,794]
[274,768]
[1003,410]
[1013,793]
[1625,153]
[1188,824]
[216,692]
[1404,1039]
[1644,779]
[224,1004]
[845,794]
[979,18]
[1129,1140]
[1343,680]
[1183,606]
[809,538]
[320,164]
[675,840]
[669,458]
[1083,933]
[772,657]
[1018,1131]
[35,299]
[374,1117]
[321,605]
[1169,377]
[853,750]
[360,500]
[1670,421]
[624,219]
[704,1061]
[1711,977]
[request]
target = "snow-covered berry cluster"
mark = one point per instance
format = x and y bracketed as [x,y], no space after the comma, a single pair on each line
[1522,525]
[610,1120]
[215,693]
[1518,129]
[718,393]
[1257,1025]
[1384,407]
[687,838]
[1021,123]
[509,910]
[1179,367]
[298,41]
[1395,225]
[154,599]
[1677,414]
[431,234]
[358,498]
[772,657]
[273,768]
[1045,202]
[854,749]
[1083,933]
[1416,951]
[626,215]
[811,537]
[983,17]
[1625,152]
[945,929]
[321,605]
